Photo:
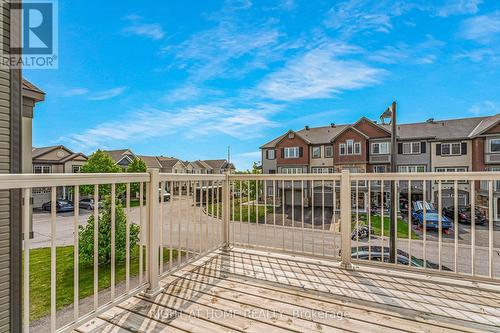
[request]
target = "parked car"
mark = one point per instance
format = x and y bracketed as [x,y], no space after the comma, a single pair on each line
[403,258]
[89,204]
[431,216]
[62,205]
[464,215]
[166,195]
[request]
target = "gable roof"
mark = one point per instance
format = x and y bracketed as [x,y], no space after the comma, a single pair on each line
[485,125]
[150,161]
[451,129]
[32,91]
[168,162]
[37,152]
[118,154]
[73,156]
[350,127]
[383,128]
[202,165]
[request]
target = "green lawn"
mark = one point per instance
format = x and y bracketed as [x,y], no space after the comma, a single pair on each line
[242,214]
[376,224]
[40,278]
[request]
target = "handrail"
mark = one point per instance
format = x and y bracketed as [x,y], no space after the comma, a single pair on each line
[18,181]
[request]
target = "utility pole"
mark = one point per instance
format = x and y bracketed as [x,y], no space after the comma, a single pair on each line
[394,149]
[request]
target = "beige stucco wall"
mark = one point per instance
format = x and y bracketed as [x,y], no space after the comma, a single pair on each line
[451,161]
[322,161]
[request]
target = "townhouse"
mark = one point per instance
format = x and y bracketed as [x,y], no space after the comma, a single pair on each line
[54,159]
[467,144]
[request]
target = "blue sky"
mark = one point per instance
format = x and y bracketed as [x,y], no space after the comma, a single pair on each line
[189,78]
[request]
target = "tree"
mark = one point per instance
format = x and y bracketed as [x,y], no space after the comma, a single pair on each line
[86,236]
[251,188]
[101,162]
[137,165]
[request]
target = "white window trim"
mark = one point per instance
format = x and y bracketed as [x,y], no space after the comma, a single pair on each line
[273,152]
[296,151]
[356,146]
[331,151]
[450,144]
[411,168]
[379,144]
[410,145]
[342,145]
[379,166]
[489,146]
[312,151]
[292,170]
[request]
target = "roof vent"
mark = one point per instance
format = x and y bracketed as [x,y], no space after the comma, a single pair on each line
[430,121]
[307,128]
[332,124]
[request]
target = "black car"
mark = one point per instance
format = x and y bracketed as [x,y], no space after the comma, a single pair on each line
[62,205]
[363,252]
[464,214]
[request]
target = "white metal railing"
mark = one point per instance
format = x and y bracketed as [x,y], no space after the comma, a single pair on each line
[186,216]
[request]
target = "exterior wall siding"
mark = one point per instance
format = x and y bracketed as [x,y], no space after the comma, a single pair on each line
[349,159]
[321,161]
[268,164]
[292,142]
[416,159]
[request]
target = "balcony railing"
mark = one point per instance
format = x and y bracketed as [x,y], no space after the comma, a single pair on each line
[182,217]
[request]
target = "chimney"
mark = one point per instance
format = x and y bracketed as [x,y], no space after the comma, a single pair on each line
[307,128]
[332,124]
[430,121]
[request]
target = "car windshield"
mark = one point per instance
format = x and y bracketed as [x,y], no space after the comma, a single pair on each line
[419,205]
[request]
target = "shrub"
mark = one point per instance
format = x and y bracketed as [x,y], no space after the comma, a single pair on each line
[86,235]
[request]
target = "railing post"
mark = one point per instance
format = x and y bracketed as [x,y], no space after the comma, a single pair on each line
[345,219]
[225,211]
[153,241]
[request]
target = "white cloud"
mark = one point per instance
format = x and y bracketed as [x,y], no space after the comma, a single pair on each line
[485,108]
[244,161]
[75,92]
[189,92]
[319,74]
[483,28]
[108,94]
[202,120]
[458,7]
[151,30]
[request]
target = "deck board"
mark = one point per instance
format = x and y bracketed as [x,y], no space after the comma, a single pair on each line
[252,291]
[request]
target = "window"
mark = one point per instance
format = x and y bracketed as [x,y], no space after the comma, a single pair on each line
[42,169]
[454,148]
[76,168]
[357,148]
[411,148]
[342,150]
[379,168]
[292,152]
[379,148]
[322,170]
[272,171]
[271,155]
[454,169]
[328,151]
[494,145]
[292,170]
[350,148]
[316,152]
[411,168]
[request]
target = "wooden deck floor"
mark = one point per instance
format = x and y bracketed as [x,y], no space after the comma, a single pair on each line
[252,291]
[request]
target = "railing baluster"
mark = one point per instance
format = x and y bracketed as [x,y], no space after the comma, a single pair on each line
[75,252]
[424,223]
[240,236]
[409,223]
[127,239]
[248,211]
[256,206]
[312,214]
[179,223]
[334,221]
[264,183]
[345,218]
[96,247]
[473,226]
[141,232]
[440,223]
[302,211]
[53,258]
[188,219]
[113,238]
[160,230]
[369,218]
[170,221]
[455,220]
[283,214]
[382,217]
[356,203]
[27,245]
[322,213]
[490,229]
[274,212]
[293,215]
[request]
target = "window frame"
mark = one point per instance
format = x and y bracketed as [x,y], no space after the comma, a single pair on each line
[379,145]
[343,147]
[292,170]
[374,169]
[43,168]
[330,149]
[412,168]
[410,146]
[73,167]
[289,149]
[318,148]
[450,148]
[490,141]
[269,151]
